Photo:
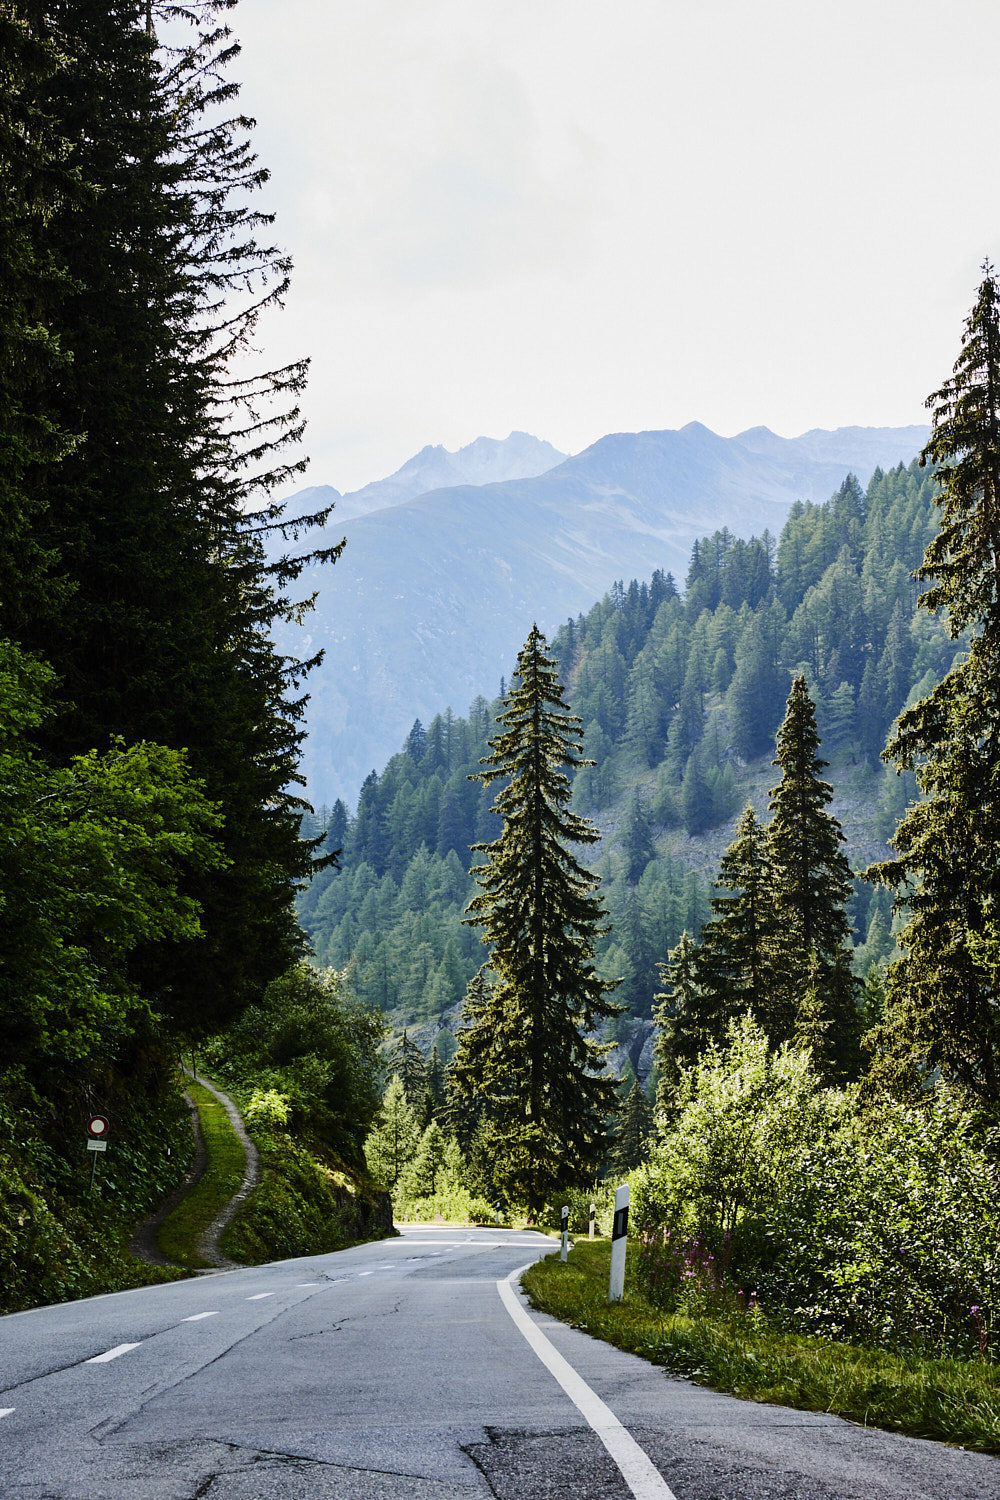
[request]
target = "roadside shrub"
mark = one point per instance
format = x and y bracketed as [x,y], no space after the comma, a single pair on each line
[879,1225]
[889,1233]
[746,1115]
[267,1110]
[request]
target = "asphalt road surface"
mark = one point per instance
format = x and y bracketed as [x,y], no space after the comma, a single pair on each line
[397,1371]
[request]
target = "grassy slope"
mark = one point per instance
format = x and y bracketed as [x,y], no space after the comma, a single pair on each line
[949,1400]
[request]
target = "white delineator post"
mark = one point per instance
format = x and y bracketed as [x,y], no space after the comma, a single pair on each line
[564,1243]
[593,1216]
[619,1241]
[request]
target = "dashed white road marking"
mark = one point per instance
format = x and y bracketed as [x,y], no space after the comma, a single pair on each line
[638,1470]
[5,1411]
[102,1359]
[366,1273]
[196,1317]
[259,1296]
[308,1283]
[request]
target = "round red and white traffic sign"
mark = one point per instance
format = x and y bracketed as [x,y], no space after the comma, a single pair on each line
[97,1127]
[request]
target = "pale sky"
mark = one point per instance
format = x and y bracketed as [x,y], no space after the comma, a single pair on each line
[575,218]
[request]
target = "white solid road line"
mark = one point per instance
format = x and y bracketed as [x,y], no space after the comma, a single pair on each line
[638,1470]
[102,1359]
[259,1296]
[195,1317]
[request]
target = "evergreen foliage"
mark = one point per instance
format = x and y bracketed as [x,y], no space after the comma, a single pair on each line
[162,632]
[688,1020]
[941,1010]
[525,1047]
[741,961]
[656,684]
[392,1142]
[635,1128]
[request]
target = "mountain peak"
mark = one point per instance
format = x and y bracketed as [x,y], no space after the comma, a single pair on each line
[483,461]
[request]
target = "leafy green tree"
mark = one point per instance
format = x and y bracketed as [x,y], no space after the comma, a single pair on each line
[525,1045]
[941,1010]
[312,1042]
[93,859]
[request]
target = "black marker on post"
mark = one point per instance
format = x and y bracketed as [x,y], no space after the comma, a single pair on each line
[619,1242]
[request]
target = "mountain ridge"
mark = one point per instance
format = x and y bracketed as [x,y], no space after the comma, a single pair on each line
[433,595]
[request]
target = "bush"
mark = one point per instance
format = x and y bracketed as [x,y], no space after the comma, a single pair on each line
[889,1233]
[877,1225]
[745,1117]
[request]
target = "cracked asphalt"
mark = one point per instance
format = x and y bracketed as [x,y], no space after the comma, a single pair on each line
[393,1371]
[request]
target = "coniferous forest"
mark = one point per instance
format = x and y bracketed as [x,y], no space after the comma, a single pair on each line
[680,691]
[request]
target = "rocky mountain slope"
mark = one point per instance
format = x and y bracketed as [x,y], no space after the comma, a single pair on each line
[434,595]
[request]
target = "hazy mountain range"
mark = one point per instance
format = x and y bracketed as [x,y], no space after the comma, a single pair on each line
[438,587]
[484,461]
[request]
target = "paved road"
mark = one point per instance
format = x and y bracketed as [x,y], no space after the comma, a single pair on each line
[395,1372]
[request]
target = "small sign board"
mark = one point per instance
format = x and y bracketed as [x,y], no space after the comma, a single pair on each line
[97,1145]
[97,1127]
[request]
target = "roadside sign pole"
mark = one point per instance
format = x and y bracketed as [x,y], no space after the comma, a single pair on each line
[97,1133]
[619,1243]
[564,1245]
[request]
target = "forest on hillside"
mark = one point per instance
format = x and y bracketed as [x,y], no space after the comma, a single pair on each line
[680,695]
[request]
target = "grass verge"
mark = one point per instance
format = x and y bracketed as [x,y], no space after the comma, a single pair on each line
[223,1176]
[952,1401]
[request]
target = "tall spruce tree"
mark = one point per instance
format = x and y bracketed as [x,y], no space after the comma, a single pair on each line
[741,958]
[941,994]
[164,634]
[635,1126]
[525,1045]
[688,1019]
[812,882]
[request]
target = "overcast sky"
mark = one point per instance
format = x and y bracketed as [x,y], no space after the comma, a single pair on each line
[574,218]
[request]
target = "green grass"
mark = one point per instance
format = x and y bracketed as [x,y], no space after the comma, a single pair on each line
[951,1400]
[223,1177]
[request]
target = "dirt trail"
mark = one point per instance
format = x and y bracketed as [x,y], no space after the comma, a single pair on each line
[143,1243]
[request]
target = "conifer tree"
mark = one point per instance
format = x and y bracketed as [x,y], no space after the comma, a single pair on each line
[393,1140]
[635,1126]
[941,1010]
[742,958]
[410,1067]
[524,1045]
[688,1019]
[164,635]
[811,876]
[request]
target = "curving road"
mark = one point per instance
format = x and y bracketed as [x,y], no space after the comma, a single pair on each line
[397,1371]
